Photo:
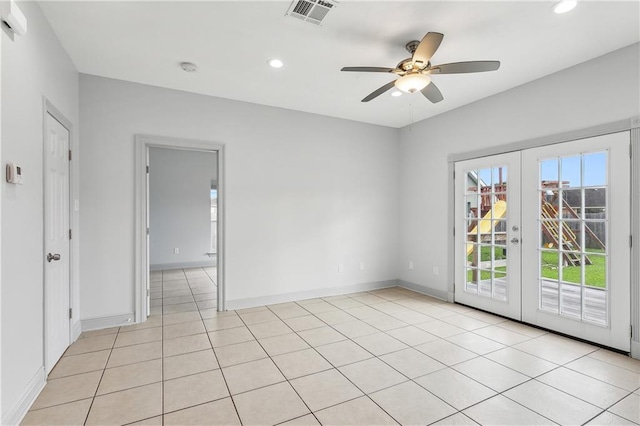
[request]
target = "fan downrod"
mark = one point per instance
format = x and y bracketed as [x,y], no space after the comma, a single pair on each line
[412,46]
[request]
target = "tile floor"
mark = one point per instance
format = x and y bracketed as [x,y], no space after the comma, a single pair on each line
[380,357]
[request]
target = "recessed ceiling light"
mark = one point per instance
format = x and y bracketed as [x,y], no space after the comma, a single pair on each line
[189,67]
[396,93]
[275,63]
[564,6]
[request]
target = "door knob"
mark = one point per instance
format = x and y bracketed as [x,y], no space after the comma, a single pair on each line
[51,257]
[515,240]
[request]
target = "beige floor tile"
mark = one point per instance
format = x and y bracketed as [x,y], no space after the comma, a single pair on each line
[251,375]
[83,363]
[353,329]
[152,421]
[186,344]
[319,307]
[101,332]
[139,336]
[385,322]
[151,322]
[221,412]
[255,317]
[307,420]
[446,352]
[73,413]
[223,322]
[180,307]
[440,328]
[465,322]
[552,403]
[135,353]
[205,296]
[306,322]
[207,304]
[342,353]
[288,310]
[369,299]
[283,344]
[256,407]
[412,363]
[454,388]
[193,390]
[502,411]
[380,343]
[230,336]
[522,328]
[191,363]
[556,351]
[410,404]
[269,329]
[457,419]
[321,336]
[491,374]
[180,317]
[214,313]
[611,419]
[345,303]
[628,408]
[593,391]
[176,293]
[609,373]
[411,317]
[364,312]
[301,363]
[127,406]
[130,376]
[239,353]
[475,343]
[522,362]
[91,344]
[372,375]
[166,301]
[616,359]
[183,329]
[502,335]
[361,411]
[486,317]
[412,335]
[325,389]
[68,389]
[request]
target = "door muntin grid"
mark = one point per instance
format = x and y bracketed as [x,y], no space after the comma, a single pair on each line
[573,227]
[486,226]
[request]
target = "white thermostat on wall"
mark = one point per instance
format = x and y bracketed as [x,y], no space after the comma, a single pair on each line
[14,174]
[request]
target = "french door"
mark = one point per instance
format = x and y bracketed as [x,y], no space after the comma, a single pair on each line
[549,245]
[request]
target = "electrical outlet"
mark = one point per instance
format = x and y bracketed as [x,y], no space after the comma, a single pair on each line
[340,267]
[435,270]
[176,250]
[411,265]
[362,266]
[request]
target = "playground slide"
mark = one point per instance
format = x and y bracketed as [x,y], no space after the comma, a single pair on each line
[486,223]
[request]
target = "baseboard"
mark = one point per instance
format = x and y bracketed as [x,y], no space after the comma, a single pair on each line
[438,294]
[310,294]
[106,322]
[635,349]
[177,265]
[15,414]
[76,330]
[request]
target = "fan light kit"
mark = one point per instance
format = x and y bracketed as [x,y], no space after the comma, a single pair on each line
[565,6]
[396,93]
[189,67]
[275,63]
[414,73]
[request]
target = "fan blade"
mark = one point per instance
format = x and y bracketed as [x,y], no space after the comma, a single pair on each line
[465,67]
[380,91]
[432,93]
[427,47]
[368,69]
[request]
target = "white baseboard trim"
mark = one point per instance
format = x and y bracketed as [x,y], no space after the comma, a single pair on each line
[177,265]
[106,322]
[438,294]
[15,414]
[310,294]
[76,330]
[635,349]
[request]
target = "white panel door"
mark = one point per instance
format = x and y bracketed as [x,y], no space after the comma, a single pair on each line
[576,221]
[56,241]
[487,249]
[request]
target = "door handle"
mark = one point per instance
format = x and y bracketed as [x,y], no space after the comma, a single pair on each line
[51,257]
[515,241]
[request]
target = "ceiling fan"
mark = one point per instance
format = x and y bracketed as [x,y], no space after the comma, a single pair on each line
[414,72]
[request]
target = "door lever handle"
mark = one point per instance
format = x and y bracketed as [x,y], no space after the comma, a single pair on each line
[51,257]
[515,240]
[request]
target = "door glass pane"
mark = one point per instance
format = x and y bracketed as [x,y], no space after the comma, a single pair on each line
[572,233]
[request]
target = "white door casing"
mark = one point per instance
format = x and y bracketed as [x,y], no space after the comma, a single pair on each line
[492,284]
[56,241]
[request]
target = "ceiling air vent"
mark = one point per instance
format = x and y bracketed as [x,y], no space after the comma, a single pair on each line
[313,11]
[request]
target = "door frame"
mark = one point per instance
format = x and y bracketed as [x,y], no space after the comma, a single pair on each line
[50,109]
[631,124]
[142,144]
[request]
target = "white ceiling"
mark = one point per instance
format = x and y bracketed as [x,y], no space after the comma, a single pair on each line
[231,41]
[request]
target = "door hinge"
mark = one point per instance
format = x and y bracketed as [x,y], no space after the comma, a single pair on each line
[70,234]
[631,331]
[454,231]
[630,150]
[147,292]
[70,313]
[70,156]
[147,231]
[147,169]
[630,240]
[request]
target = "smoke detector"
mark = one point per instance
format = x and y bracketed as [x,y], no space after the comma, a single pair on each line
[313,11]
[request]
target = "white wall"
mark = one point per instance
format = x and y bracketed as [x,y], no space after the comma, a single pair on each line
[180,207]
[603,90]
[303,192]
[33,66]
